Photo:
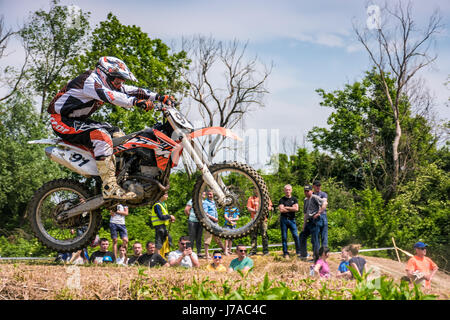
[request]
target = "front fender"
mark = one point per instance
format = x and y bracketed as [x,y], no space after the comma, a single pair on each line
[214,130]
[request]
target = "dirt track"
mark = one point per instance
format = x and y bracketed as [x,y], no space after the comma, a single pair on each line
[22,281]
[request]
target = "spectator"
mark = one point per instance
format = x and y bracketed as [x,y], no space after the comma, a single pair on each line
[252,207]
[117,225]
[231,215]
[313,206]
[137,250]
[216,265]
[355,261]
[151,258]
[184,256]
[343,271]
[195,228]
[209,207]
[102,255]
[421,269]
[122,259]
[320,263]
[160,219]
[288,206]
[242,262]
[323,222]
[80,257]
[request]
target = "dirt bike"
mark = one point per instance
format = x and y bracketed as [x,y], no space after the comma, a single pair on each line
[65,214]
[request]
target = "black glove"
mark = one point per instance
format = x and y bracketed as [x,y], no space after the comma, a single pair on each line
[169,100]
[145,104]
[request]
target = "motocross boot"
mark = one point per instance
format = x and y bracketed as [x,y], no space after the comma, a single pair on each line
[110,189]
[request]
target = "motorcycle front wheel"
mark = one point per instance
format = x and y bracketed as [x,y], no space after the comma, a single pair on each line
[71,234]
[239,182]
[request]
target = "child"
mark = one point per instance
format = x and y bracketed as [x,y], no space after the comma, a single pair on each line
[343,271]
[320,265]
[122,259]
[231,215]
[356,262]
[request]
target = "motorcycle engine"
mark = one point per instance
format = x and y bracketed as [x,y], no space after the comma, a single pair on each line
[135,187]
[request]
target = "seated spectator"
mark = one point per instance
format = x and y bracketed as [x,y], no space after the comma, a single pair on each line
[137,250]
[122,259]
[321,265]
[151,258]
[80,257]
[421,269]
[102,255]
[216,265]
[242,262]
[184,256]
[343,271]
[355,261]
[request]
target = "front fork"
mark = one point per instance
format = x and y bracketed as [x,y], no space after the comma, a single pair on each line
[216,186]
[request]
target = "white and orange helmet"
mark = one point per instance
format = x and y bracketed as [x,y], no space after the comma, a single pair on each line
[113,67]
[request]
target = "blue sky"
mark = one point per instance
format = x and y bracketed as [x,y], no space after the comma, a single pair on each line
[311,44]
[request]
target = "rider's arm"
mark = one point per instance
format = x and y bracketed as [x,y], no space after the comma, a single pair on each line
[139,93]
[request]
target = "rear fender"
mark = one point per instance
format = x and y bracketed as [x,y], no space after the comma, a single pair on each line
[76,158]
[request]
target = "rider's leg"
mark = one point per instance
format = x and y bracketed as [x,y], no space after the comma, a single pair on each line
[106,165]
[107,172]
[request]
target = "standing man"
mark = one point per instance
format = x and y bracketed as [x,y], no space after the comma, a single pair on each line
[313,207]
[421,269]
[323,223]
[195,228]
[117,225]
[209,206]
[252,207]
[160,219]
[288,206]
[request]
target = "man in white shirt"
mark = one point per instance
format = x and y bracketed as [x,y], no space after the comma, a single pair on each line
[184,256]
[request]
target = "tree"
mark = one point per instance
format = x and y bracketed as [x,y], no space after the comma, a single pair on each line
[223,103]
[23,167]
[150,60]
[397,47]
[362,129]
[52,39]
[9,78]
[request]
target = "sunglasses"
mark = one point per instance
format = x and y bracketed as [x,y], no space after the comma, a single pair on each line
[185,243]
[217,257]
[242,250]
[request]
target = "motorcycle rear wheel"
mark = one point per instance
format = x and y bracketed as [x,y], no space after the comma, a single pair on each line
[239,182]
[66,236]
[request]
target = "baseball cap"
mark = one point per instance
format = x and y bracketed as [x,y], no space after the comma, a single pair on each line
[420,245]
[307,187]
[317,183]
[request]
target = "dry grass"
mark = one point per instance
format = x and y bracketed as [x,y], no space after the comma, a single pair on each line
[53,282]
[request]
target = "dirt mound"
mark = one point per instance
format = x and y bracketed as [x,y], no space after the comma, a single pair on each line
[45,281]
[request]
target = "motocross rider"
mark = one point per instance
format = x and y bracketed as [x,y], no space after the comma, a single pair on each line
[71,107]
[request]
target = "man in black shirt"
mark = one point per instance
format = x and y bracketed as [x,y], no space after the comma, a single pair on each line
[152,259]
[288,206]
[102,255]
[137,249]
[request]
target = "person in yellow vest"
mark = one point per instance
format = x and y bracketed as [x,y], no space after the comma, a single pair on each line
[160,219]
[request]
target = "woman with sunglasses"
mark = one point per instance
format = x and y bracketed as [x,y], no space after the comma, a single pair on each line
[216,265]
